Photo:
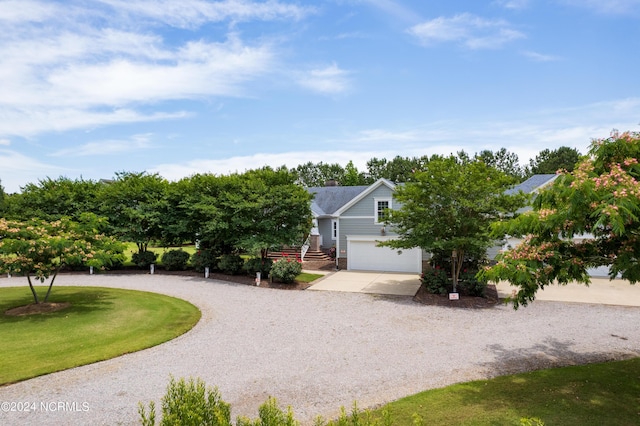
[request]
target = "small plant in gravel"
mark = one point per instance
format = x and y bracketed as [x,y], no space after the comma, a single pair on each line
[175,260]
[144,259]
[286,269]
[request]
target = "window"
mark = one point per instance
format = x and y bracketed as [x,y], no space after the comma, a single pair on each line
[381,207]
[334,229]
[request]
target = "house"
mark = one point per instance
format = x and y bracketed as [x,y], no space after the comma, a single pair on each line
[350,218]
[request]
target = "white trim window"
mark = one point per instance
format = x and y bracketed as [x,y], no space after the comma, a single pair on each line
[380,206]
[334,229]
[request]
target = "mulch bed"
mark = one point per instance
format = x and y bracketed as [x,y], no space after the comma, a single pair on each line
[490,300]
[37,308]
[466,302]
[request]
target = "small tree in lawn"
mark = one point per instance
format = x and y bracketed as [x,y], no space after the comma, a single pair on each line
[449,207]
[39,248]
[599,202]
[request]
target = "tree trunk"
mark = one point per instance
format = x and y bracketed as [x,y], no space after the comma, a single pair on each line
[33,290]
[53,278]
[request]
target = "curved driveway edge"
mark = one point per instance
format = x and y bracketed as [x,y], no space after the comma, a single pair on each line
[317,350]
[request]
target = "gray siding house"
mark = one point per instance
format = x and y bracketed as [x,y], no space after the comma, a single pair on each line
[350,218]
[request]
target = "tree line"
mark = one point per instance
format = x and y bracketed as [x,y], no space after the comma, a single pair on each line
[254,211]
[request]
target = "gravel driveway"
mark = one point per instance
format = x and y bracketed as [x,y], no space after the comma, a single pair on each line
[317,351]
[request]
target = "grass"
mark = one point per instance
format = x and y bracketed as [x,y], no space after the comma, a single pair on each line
[101,323]
[594,394]
[306,277]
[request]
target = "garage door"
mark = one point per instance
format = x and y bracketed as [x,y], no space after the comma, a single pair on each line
[366,256]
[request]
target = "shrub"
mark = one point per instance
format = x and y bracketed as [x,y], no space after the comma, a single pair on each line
[192,403]
[204,258]
[435,281]
[257,264]
[175,260]
[144,259]
[286,270]
[231,264]
[189,404]
[470,285]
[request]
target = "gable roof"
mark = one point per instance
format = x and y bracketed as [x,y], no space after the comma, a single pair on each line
[369,189]
[333,200]
[328,199]
[533,184]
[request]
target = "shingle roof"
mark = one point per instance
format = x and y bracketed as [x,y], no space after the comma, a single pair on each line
[532,184]
[328,199]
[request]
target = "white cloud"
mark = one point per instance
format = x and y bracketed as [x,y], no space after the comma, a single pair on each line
[469,30]
[107,147]
[68,69]
[193,13]
[17,169]
[540,57]
[513,4]
[330,80]
[32,121]
[5,142]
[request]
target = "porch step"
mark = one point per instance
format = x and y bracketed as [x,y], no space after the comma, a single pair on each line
[312,255]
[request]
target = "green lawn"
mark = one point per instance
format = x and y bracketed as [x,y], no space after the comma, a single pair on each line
[132,248]
[306,277]
[596,394]
[101,323]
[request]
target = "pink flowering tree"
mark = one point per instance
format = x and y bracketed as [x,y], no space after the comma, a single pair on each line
[587,218]
[39,248]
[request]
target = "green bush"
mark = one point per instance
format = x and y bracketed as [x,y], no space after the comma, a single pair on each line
[192,403]
[286,270]
[435,281]
[175,260]
[470,285]
[144,259]
[204,258]
[230,264]
[257,264]
[188,404]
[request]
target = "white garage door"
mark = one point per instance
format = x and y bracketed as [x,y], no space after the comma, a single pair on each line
[366,256]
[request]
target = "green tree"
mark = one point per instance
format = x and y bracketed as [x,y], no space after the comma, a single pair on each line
[505,161]
[134,203]
[549,162]
[599,202]
[398,170]
[450,208]
[352,176]
[2,200]
[273,211]
[41,248]
[254,211]
[318,174]
[52,199]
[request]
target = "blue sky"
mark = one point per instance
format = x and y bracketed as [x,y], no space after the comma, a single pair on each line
[92,87]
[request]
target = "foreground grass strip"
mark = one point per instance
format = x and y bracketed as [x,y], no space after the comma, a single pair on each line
[101,323]
[595,394]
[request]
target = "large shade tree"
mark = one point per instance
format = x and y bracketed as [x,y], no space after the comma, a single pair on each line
[40,248]
[134,204]
[51,199]
[549,162]
[450,207]
[588,218]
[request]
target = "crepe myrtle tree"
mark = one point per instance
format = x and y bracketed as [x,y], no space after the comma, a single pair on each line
[588,218]
[450,206]
[40,248]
